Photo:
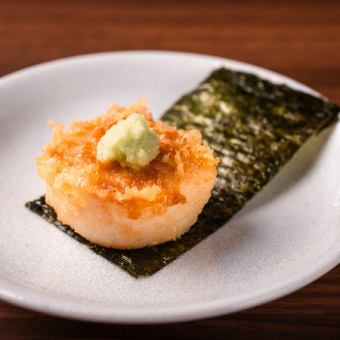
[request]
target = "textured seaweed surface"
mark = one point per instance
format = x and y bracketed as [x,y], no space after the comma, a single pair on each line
[254,126]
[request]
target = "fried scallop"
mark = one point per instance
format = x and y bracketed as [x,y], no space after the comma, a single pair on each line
[119,206]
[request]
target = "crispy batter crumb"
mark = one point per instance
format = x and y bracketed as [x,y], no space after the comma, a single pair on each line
[69,163]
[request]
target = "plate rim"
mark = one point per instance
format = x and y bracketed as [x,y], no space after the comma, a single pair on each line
[32,298]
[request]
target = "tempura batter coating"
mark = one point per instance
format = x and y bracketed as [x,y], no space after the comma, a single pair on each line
[126,201]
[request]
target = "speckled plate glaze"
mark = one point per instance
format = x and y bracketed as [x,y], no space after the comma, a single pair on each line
[285,237]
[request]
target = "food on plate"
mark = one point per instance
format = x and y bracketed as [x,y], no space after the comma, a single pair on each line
[254,126]
[125,180]
[130,142]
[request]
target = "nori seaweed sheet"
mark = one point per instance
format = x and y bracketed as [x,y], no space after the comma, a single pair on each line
[253,126]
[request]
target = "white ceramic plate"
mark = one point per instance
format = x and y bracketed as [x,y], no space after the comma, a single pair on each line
[286,237]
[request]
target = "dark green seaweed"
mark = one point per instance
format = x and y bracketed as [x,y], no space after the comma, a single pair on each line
[253,126]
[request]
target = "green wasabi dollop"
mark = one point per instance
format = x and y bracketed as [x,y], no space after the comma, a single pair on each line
[130,142]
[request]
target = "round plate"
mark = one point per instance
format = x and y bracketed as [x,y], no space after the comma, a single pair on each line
[286,237]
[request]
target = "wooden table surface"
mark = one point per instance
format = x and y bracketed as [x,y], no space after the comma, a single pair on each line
[298,38]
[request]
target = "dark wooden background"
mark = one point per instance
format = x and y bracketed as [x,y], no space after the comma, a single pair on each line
[298,38]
